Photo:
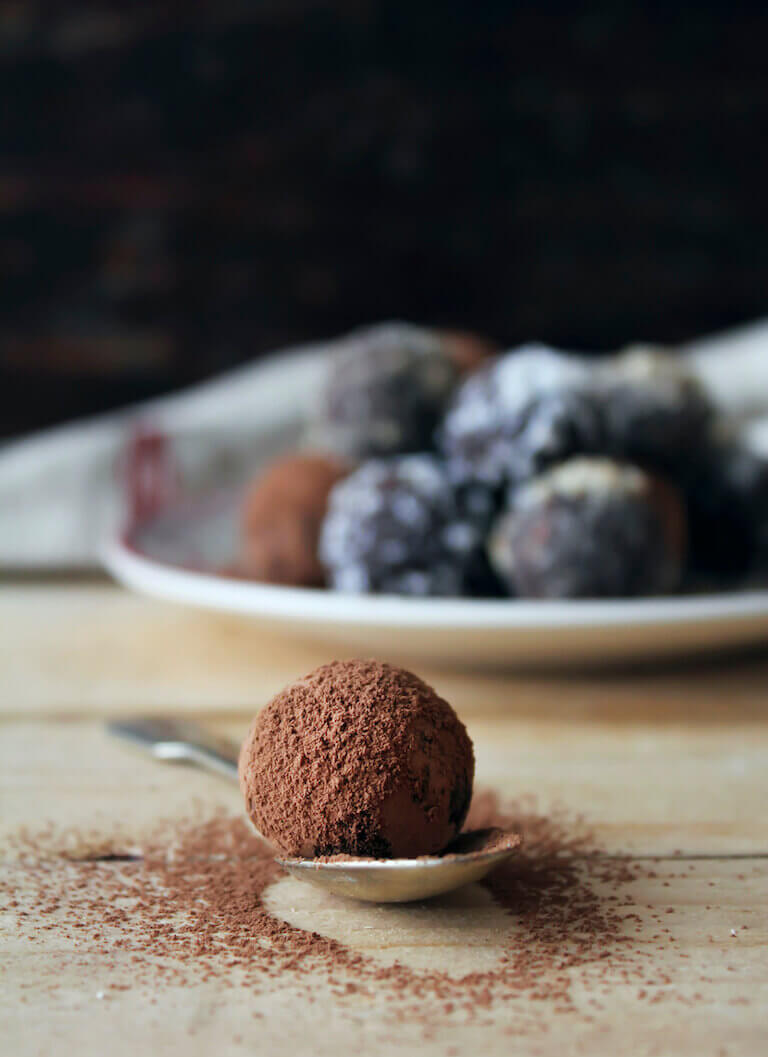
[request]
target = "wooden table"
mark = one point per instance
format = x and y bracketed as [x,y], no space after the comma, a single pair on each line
[669,764]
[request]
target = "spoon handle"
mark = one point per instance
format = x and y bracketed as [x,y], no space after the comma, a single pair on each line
[179,740]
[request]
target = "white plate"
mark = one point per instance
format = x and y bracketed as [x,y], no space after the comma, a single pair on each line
[166,555]
[164,558]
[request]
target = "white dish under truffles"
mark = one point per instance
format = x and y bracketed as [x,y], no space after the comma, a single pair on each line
[483,507]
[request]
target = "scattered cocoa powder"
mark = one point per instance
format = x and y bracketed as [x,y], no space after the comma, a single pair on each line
[483,841]
[359,758]
[187,903]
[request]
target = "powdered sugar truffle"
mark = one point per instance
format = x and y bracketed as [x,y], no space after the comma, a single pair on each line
[531,407]
[386,390]
[397,526]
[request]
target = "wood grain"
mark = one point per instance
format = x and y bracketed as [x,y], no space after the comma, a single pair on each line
[641,792]
[92,649]
[671,764]
[726,1018]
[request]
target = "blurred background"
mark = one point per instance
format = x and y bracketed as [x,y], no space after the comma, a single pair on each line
[187,186]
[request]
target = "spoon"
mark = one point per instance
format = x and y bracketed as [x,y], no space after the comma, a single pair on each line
[374,880]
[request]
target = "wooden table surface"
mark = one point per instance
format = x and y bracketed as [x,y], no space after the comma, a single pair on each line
[669,764]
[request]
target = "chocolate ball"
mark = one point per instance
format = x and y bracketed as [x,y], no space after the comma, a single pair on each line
[591,528]
[467,350]
[385,391]
[655,412]
[281,516]
[509,420]
[399,526]
[357,758]
[726,488]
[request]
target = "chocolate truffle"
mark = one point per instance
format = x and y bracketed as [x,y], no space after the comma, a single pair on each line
[509,420]
[655,412]
[726,488]
[397,526]
[591,528]
[467,350]
[357,758]
[386,389]
[281,518]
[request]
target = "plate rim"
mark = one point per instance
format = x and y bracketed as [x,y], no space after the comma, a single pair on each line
[210,590]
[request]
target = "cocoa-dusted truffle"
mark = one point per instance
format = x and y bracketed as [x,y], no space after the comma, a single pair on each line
[591,528]
[398,526]
[357,758]
[385,391]
[467,349]
[520,413]
[281,517]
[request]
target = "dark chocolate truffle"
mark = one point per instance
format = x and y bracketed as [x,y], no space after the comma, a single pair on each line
[397,526]
[726,488]
[655,412]
[281,518]
[386,389]
[511,419]
[591,528]
[357,758]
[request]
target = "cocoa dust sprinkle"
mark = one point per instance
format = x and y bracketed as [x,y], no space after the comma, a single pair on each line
[188,904]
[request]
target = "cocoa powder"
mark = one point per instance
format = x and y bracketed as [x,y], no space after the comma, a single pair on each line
[187,903]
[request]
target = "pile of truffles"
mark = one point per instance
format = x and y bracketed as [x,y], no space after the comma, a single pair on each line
[436,466]
[357,758]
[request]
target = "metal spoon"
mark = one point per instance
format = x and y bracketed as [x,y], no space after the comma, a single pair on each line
[373,880]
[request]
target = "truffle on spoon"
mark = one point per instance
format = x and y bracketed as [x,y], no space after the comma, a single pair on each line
[358,758]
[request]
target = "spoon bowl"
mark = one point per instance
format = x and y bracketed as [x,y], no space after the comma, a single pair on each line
[406,880]
[470,858]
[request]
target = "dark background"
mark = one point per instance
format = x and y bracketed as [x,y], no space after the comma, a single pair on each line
[187,185]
